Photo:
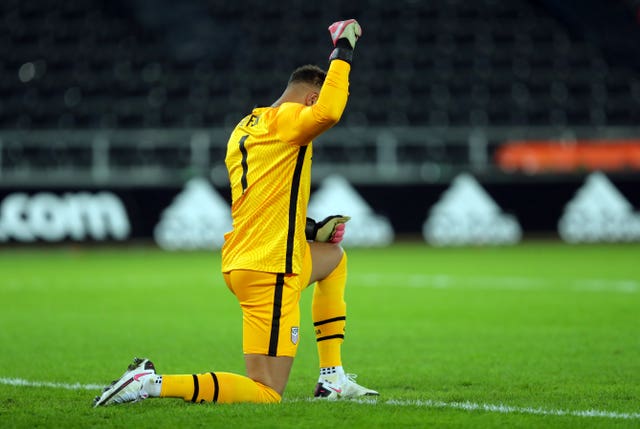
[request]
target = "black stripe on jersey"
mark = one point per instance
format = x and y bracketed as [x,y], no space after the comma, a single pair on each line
[245,167]
[196,388]
[216,387]
[293,203]
[335,319]
[330,337]
[277,312]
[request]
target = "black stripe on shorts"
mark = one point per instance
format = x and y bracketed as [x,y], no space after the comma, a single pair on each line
[277,312]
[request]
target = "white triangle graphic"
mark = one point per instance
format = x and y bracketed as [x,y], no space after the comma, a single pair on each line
[336,196]
[599,212]
[197,218]
[466,214]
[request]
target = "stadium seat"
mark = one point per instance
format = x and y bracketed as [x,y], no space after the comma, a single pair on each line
[95,64]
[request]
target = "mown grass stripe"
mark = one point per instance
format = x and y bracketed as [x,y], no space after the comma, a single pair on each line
[444,281]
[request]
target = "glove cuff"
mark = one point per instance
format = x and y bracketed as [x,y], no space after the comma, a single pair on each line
[311,229]
[343,54]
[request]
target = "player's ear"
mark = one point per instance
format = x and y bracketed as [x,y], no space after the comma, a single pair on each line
[311,98]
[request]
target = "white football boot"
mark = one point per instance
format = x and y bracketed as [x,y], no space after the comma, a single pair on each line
[129,387]
[341,386]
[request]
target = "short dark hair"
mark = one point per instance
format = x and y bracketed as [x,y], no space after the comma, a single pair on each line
[310,74]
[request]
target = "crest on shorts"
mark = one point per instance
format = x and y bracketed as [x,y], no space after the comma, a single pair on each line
[295,333]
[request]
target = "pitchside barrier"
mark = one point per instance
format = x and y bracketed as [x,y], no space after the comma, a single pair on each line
[592,208]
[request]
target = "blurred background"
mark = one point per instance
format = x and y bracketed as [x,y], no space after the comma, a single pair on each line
[469,122]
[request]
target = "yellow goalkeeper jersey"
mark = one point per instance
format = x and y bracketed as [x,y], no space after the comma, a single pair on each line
[269,164]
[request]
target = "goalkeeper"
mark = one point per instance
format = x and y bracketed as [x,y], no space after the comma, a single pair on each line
[274,251]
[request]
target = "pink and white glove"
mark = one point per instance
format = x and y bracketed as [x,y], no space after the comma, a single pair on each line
[348,30]
[338,233]
[344,35]
[328,230]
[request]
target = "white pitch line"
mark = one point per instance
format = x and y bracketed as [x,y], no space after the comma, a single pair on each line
[507,409]
[67,386]
[425,403]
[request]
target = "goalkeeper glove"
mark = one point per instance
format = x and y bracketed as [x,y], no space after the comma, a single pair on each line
[328,230]
[344,35]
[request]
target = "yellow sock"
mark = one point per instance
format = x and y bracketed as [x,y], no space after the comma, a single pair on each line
[218,387]
[329,315]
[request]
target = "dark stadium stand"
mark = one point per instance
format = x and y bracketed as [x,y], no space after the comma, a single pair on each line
[123,92]
[116,64]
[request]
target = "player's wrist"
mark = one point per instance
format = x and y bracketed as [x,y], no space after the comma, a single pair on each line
[311,229]
[344,54]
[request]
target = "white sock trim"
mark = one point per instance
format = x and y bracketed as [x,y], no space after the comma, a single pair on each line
[331,370]
[153,386]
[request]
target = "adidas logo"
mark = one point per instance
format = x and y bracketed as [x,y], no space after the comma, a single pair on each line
[197,218]
[336,196]
[466,214]
[599,212]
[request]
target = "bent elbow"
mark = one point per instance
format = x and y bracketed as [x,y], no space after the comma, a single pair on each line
[330,116]
[336,115]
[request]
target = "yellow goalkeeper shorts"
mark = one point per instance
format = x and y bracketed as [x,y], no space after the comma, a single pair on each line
[270,308]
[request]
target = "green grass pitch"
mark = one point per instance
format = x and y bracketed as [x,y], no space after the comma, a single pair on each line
[541,334]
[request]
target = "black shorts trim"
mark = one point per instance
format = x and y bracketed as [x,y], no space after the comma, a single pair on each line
[277,312]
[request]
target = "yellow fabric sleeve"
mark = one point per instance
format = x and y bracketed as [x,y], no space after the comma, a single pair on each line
[300,124]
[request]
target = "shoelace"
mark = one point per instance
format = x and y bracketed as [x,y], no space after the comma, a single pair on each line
[351,377]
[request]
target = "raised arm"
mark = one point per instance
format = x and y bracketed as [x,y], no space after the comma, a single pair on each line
[300,124]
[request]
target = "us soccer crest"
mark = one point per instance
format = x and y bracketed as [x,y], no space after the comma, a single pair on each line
[295,334]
